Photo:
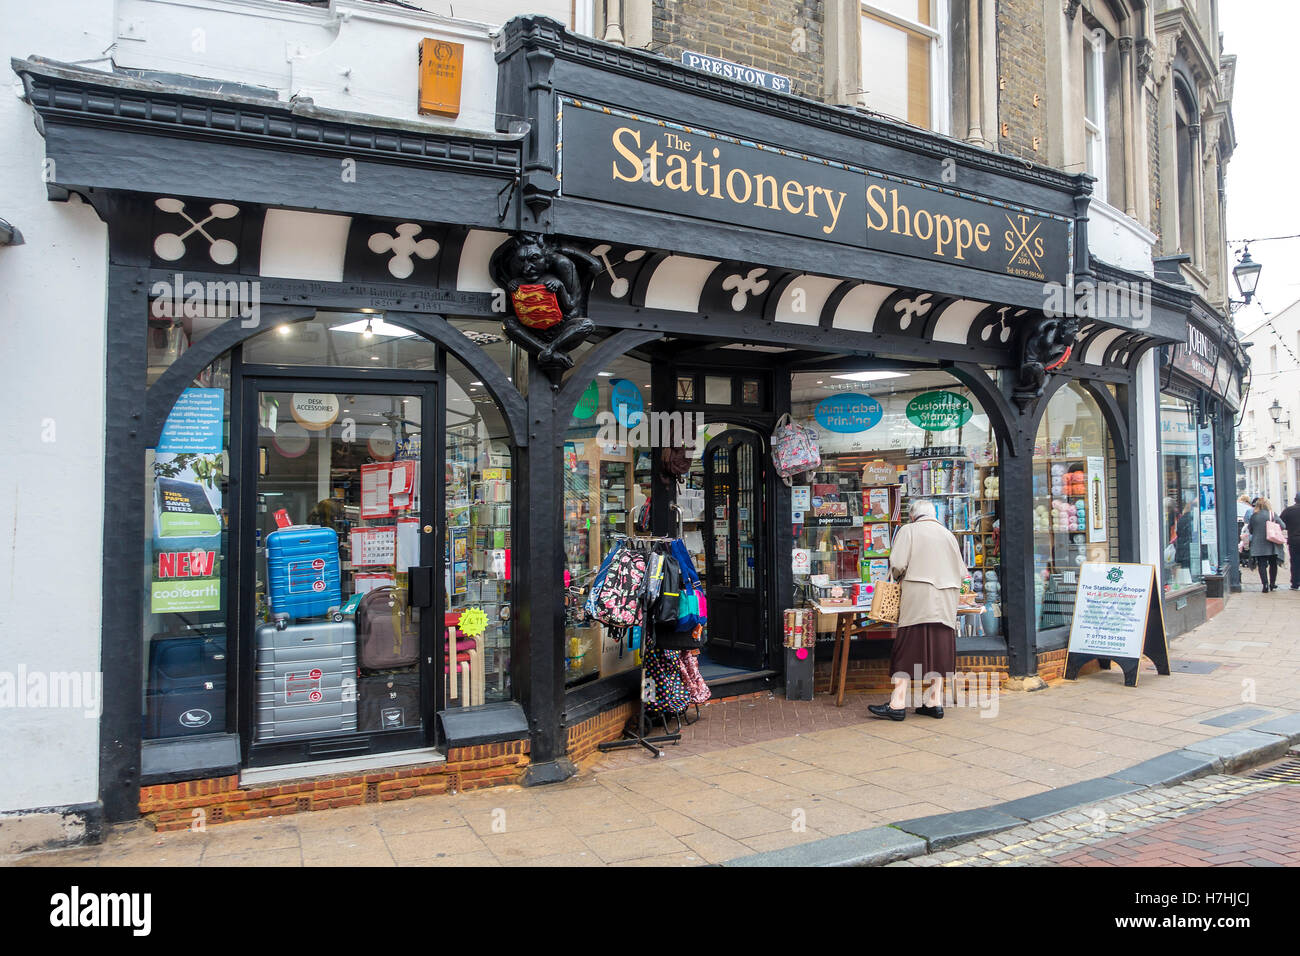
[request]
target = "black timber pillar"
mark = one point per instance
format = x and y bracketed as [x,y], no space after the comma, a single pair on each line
[1225,477]
[663,487]
[1015,469]
[1127,472]
[782,533]
[122,645]
[539,641]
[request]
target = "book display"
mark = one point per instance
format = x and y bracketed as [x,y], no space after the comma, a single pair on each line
[604,486]
[845,520]
[964,489]
[477,549]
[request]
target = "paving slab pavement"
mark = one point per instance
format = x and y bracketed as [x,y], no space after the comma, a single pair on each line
[763,774]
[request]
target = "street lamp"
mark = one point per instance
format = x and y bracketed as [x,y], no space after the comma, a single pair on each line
[1275,413]
[1246,273]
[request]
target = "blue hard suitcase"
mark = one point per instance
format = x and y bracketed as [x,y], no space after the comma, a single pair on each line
[187,686]
[302,573]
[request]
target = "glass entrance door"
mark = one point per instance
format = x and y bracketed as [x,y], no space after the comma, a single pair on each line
[734,535]
[337,530]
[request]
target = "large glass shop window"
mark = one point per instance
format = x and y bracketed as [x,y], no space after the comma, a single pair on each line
[187,561]
[1074,501]
[887,439]
[607,489]
[478,547]
[1189,539]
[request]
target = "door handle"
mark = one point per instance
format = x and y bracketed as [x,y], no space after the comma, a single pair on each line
[421,582]
[733,596]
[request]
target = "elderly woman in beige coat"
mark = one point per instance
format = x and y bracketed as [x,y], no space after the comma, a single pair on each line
[927,558]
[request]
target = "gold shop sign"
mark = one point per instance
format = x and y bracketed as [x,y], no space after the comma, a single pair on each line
[613,156]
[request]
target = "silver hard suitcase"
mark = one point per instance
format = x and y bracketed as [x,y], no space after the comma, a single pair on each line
[306,680]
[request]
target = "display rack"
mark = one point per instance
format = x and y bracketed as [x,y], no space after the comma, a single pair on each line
[642,736]
[1056,573]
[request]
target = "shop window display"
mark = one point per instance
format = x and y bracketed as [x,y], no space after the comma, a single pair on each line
[889,438]
[187,561]
[1074,501]
[1183,498]
[478,547]
[607,488]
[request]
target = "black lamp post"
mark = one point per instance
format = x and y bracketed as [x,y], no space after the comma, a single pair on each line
[1246,273]
[1275,413]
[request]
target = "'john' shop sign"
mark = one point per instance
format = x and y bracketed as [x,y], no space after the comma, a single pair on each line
[618,157]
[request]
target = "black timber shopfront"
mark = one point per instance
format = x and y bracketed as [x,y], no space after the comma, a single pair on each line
[741,235]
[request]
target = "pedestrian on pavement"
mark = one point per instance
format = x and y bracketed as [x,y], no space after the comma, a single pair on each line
[927,558]
[1264,551]
[1243,511]
[1291,520]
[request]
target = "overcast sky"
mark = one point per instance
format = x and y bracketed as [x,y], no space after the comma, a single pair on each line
[1263,198]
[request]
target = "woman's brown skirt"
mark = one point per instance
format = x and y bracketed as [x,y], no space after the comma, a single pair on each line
[932,647]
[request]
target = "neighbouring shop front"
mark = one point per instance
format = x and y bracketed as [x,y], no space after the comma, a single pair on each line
[1199,401]
[334,426]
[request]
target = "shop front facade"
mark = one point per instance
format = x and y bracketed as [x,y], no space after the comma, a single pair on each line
[1200,401]
[291,348]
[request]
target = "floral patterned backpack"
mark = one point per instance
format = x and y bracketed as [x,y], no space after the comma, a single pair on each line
[620,601]
[794,448]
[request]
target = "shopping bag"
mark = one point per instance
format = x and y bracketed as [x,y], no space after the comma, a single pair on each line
[886,601]
[1273,531]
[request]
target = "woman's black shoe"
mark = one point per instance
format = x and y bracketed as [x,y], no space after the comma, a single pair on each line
[884,710]
[935,712]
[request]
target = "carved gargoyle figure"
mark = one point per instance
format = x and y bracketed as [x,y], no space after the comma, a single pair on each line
[1044,347]
[546,285]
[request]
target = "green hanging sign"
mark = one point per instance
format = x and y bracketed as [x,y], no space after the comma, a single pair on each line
[587,403]
[939,411]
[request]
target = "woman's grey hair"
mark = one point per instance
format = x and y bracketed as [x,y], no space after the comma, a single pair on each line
[922,509]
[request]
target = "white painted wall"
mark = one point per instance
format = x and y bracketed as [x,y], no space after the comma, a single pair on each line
[1119,240]
[354,55]
[51,385]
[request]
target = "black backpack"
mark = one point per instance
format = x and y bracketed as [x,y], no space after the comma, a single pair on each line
[664,610]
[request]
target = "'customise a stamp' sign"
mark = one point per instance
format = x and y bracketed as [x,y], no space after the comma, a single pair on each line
[1117,616]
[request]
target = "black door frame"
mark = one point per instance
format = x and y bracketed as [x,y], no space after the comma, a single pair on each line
[249,380]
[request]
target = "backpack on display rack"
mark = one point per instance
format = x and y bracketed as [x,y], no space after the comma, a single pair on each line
[670,696]
[619,599]
[794,448]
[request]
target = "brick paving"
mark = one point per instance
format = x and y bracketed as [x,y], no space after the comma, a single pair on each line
[1212,821]
[762,773]
[1259,830]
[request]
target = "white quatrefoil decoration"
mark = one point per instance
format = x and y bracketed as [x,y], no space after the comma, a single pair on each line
[618,285]
[404,246]
[171,245]
[909,309]
[1005,333]
[752,284]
